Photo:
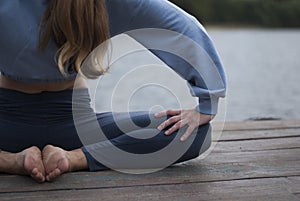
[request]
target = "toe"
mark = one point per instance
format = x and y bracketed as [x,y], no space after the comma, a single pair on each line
[35,171]
[38,176]
[53,175]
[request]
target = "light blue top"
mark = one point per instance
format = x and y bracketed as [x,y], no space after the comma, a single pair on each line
[21,60]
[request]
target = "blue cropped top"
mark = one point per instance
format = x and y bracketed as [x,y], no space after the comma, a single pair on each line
[21,60]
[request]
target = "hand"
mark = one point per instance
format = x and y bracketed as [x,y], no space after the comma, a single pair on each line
[180,118]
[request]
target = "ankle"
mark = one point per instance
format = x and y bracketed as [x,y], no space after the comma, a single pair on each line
[11,162]
[77,160]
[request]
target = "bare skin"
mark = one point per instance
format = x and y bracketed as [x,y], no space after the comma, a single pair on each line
[33,88]
[27,162]
[58,161]
[52,162]
[180,118]
[48,165]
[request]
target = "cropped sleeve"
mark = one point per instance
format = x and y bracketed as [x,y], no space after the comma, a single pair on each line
[178,39]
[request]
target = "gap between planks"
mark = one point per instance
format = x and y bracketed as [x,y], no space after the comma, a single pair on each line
[255,189]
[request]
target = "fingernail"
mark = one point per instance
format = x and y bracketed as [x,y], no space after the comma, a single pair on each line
[159,127]
[167,132]
[182,139]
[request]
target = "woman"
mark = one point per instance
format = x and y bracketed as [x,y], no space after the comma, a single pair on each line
[42,46]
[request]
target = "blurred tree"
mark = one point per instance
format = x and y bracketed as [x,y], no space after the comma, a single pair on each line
[281,13]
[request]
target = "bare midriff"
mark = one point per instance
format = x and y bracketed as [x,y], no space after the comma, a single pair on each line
[32,88]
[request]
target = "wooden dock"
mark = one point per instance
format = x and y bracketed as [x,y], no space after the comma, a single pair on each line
[251,161]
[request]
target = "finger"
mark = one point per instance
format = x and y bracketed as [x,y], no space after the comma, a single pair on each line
[168,112]
[175,127]
[187,133]
[168,122]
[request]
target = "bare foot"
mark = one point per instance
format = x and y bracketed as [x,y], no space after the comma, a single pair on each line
[56,162]
[27,162]
[33,163]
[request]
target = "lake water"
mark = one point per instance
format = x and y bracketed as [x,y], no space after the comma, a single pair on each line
[263,70]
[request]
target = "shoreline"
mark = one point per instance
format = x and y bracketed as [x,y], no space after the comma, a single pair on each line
[246,27]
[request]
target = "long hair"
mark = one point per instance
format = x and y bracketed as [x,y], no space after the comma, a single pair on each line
[76,27]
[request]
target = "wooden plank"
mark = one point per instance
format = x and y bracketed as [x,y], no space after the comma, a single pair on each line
[215,167]
[258,134]
[256,189]
[258,145]
[276,197]
[269,158]
[294,184]
[277,156]
[95,195]
[256,125]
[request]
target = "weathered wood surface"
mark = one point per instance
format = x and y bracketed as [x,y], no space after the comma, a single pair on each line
[251,161]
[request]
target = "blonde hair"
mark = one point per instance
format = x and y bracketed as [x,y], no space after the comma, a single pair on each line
[76,27]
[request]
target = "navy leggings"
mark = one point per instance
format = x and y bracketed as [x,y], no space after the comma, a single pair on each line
[46,118]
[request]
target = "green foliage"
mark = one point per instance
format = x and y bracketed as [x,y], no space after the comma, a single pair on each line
[275,13]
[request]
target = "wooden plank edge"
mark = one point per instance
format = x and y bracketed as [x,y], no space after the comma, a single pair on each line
[256,125]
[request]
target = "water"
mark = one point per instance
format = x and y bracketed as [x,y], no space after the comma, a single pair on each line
[263,70]
[138,80]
